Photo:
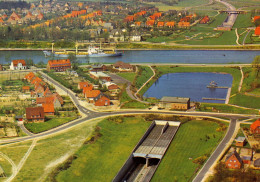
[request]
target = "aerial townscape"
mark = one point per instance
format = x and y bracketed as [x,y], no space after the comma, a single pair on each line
[130,91]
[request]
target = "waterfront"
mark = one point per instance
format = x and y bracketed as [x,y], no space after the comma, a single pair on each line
[192,85]
[148,56]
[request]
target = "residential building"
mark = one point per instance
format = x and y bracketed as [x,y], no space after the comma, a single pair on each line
[100,76]
[240,141]
[25,89]
[257,163]
[112,87]
[48,108]
[121,66]
[18,65]
[29,77]
[47,92]
[180,103]
[35,114]
[103,101]
[81,85]
[49,100]
[58,65]
[233,161]
[205,20]
[255,127]
[92,95]
[98,67]
[183,24]
[257,31]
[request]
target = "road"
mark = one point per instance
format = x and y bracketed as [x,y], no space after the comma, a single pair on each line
[217,152]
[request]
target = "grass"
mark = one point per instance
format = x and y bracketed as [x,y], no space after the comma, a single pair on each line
[128,103]
[13,76]
[52,151]
[52,123]
[245,101]
[161,70]
[108,153]
[212,107]
[189,143]
[243,21]
[129,76]
[144,73]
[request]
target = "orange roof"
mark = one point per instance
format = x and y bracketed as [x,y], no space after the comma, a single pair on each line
[102,101]
[26,88]
[92,93]
[138,23]
[257,30]
[256,18]
[15,62]
[150,22]
[255,124]
[44,100]
[83,84]
[160,24]
[184,24]
[47,92]
[36,80]
[29,76]
[170,24]
[49,107]
[87,88]
[58,63]
[1,20]
[57,96]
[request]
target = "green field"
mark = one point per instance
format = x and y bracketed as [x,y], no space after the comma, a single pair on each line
[49,124]
[212,107]
[246,101]
[129,76]
[128,103]
[108,153]
[144,74]
[194,139]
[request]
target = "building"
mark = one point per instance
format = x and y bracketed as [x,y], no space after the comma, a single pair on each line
[257,31]
[240,141]
[100,76]
[174,103]
[112,87]
[103,101]
[49,100]
[18,65]
[92,95]
[183,24]
[35,114]
[98,67]
[29,77]
[25,89]
[205,20]
[121,66]
[1,67]
[58,65]
[48,108]
[257,163]
[81,85]
[255,127]
[233,161]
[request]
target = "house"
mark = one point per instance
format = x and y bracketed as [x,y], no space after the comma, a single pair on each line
[150,23]
[257,31]
[57,96]
[47,92]
[29,77]
[102,101]
[255,127]
[19,118]
[184,24]
[59,65]
[25,89]
[233,160]
[121,66]
[14,18]
[160,24]
[87,88]
[100,76]
[49,100]
[170,24]
[39,90]
[98,67]
[257,163]
[112,87]
[256,18]
[246,155]
[205,20]
[18,65]
[48,108]
[37,80]
[35,114]
[92,95]
[181,103]
[240,141]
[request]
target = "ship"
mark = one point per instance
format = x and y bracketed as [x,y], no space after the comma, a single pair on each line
[212,84]
[98,52]
[65,54]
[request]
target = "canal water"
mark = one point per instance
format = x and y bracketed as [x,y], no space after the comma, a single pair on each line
[192,85]
[151,56]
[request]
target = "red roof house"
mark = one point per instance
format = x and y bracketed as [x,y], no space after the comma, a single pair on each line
[35,114]
[102,101]
[122,66]
[257,30]
[256,18]
[205,20]
[48,108]
[18,65]
[29,77]
[233,161]
[150,23]
[255,127]
[92,95]
[25,89]
[160,24]
[170,24]
[81,85]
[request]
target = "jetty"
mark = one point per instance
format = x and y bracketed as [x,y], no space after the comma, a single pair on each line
[213,84]
[205,98]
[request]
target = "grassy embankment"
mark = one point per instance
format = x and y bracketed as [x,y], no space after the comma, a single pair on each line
[109,152]
[130,76]
[211,107]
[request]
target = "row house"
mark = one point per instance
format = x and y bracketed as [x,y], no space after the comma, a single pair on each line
[58,65]
[99,76]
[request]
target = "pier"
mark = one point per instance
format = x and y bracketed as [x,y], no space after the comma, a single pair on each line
[217,87]
[205,98]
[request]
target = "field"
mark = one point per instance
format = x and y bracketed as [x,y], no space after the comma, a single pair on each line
[49,124]
[194,139]
[144,73]
[128,103]
[129,76]
[246,101]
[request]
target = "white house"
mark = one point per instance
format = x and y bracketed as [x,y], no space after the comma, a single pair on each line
[18,65]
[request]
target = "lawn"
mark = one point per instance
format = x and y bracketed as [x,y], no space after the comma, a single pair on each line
[193,139]
[128,103]
[144,74]
[49,124]
[212,107]
[129,76]
[243,21]
[108,153]
[246,101]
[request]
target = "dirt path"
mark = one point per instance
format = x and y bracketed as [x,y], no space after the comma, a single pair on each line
[242,79]
[237,37]
[14,167]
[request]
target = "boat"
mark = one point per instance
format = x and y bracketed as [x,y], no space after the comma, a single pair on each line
[98,52]
[212,84]
[65,54]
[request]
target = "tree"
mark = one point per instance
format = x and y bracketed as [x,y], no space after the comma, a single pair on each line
[256,65]
[73,59]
